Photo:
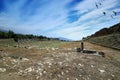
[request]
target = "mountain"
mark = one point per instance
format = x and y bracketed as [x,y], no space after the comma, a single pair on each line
[2,30]
[108,37]
[106,31]
[64,39]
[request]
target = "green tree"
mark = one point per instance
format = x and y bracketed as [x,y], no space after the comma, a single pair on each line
[10,34]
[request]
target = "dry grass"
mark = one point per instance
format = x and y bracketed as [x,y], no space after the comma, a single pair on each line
[55,60]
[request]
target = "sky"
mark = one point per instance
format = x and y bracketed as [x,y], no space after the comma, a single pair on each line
[72,19]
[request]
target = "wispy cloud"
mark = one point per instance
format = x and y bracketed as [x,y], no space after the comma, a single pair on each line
[72,19]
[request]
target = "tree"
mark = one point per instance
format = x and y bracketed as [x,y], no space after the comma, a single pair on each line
[3,35]
[10,34]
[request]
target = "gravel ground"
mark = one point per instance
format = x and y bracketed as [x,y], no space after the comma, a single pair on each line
[62,63]
[58,66]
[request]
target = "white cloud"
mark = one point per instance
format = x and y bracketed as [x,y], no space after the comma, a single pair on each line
[50,17]
[93,20]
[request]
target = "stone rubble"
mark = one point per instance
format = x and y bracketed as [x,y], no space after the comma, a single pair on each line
[60,66]
[2,69]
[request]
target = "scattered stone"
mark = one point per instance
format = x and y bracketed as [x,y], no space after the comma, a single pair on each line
[67,71]
[92,66]
[2,69]
[81,65]
[60,63]
[44,72]
[62,73]
[101,71]
[79,50]
[53,49]
[76,78]
[102,54]
[68,78]
[59,75]
[10,74]
[69,49]
[30,69]
[40,73]
[90,52]
[57,66]
[25,59]
[37,77]
[113,75]
[80,75]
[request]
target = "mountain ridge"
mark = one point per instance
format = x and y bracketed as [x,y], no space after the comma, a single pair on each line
[107,31]
[108,37]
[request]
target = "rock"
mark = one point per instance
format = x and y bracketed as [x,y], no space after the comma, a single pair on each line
[92,66]
[62,73]
[60,63]
[113,75]
[37,77]
[89,51]
[68,78]
[40,74]
[54,79]
[25,59]
[10,74]
[30,69]
[53,49]
[20,72]
[44,72]
[1,50]
[2,69]
[102,54]
[67,71]
[59,75]
[76,78]
[15,46]
[80,65]
[79,50]
[101,71]
[80,75]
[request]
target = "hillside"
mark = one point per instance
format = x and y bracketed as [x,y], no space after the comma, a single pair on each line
[106,31]
[109,37]
[23,37]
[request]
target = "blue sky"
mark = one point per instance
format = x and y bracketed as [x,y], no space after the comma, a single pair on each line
[71,19]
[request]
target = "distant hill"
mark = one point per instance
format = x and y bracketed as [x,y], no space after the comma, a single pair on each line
[106,31]
[64,39]
[109,37]
[20,37]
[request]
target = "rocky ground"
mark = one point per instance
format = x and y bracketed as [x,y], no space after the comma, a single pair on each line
[57,64]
